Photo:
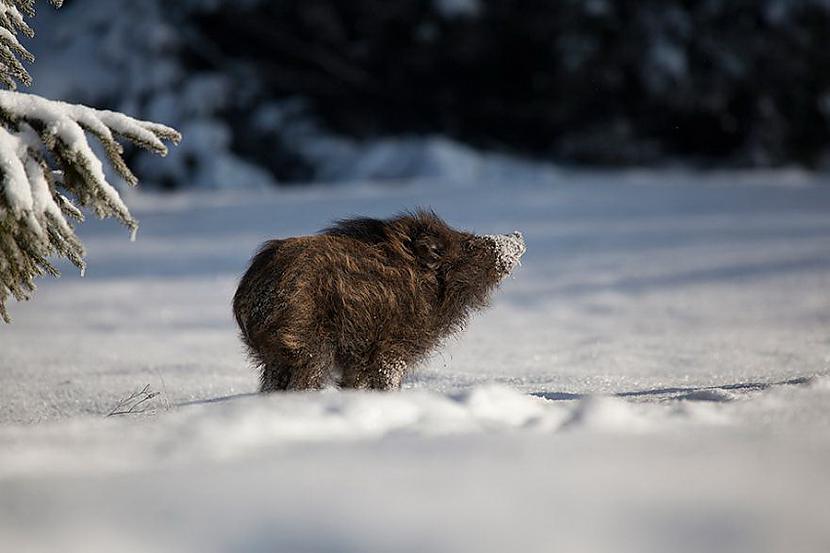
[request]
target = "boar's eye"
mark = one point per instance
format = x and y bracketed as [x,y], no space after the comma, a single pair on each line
[428,250]
[472,243]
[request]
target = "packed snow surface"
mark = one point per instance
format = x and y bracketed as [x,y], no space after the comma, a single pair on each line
[653,377]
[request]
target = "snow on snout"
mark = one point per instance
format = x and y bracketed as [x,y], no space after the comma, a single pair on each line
[509,249]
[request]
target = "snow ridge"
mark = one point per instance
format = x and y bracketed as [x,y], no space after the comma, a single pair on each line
[235,428]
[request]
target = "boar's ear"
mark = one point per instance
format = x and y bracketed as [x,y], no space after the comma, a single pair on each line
[428,250]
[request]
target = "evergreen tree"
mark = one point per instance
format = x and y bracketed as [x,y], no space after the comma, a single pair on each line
[48,169]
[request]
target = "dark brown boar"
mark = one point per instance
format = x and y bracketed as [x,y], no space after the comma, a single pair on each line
[358,304]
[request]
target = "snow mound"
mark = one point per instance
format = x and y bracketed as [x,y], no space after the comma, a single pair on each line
[820,382]
[339,158]
[607,414]
[248,425]
[714,394]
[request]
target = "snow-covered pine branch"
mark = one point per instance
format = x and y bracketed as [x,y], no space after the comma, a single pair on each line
[44,153]
[46,159]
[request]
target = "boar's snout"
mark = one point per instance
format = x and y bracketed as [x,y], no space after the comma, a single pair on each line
[520,241]
[509,248]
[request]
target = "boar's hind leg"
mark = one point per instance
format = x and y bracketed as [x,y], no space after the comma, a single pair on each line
[312,373]
[274,378]
[301,372]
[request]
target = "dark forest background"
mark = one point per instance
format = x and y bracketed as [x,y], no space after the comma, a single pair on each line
[624,82]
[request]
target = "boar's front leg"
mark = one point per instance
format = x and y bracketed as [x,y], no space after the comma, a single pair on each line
[382,374]
[296,369]
[389,375]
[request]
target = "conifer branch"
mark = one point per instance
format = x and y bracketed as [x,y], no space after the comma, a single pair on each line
[46,158]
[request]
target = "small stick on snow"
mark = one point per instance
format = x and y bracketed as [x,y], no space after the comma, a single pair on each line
[130,404]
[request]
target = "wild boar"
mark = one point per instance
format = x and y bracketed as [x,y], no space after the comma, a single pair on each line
[357,305]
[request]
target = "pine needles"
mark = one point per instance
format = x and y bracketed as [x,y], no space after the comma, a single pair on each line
[46,159]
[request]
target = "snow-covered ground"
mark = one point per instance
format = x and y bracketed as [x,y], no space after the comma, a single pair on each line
[653,378]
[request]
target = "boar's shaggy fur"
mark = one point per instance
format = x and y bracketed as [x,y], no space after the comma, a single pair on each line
[358,304]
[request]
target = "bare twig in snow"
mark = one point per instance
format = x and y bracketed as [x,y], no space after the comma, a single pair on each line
[134,403]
